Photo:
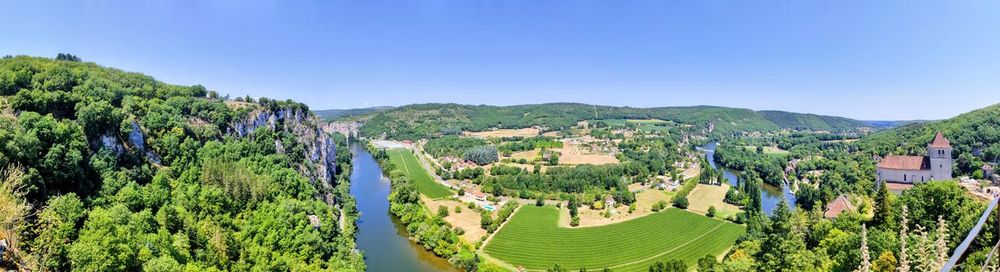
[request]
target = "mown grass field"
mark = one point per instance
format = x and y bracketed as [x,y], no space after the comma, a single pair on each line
[407,162]
[533,240]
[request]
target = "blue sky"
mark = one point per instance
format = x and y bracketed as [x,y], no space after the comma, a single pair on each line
[859,59]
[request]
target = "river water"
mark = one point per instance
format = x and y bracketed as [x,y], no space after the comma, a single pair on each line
[381,236]
[770,195]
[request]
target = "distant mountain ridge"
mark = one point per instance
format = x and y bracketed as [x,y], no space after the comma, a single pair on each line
[423,120]
[341,113]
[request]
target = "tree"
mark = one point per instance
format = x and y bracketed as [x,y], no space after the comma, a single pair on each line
[442,211]
[681,202]
[711,211]
[556,268]
[482,155]
[708,264]
[67,57]
[883,206]
[886,262]
[673,265]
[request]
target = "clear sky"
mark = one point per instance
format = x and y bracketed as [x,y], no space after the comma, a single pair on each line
[860,59]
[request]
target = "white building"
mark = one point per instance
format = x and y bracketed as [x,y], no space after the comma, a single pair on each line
[913,169]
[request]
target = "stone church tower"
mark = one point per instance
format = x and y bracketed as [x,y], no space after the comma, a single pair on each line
[939,152]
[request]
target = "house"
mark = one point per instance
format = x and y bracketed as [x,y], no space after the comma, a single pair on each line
[480,196]
[838,206]
[913,169]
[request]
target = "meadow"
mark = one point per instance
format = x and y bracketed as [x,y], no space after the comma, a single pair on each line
[533,240]
[407,162]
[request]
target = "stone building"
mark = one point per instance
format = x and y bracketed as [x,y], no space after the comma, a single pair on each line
[913,169]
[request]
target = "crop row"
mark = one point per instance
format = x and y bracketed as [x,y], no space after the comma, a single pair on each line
[407,162]
[532,239]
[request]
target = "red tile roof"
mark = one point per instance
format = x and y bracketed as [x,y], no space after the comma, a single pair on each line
[940,141]
[905,162]
[838,206]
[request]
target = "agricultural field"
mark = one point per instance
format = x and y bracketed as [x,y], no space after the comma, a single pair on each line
[770,150]
[407,162]
[641,124]
[704,196]
[500,133]
[533,240]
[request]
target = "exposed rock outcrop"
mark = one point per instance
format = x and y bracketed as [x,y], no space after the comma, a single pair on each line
[320,149]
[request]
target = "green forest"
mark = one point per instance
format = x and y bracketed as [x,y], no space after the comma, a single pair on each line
[108,170]
[419,121]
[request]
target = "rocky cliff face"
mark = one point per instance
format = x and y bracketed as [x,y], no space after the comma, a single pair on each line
[320,151]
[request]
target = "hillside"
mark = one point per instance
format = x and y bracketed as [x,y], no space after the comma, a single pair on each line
[423,120]
[332,114]
[809,121]
[106,170]
[975,136]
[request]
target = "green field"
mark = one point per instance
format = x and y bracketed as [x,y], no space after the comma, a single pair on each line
[533,240]
[407,162]
[641,124]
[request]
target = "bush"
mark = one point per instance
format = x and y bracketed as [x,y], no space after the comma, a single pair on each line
[458,209]
[711,211]
[659,205]
[540,201]
[681,202]
[575,221]
[443,211]
[482,155]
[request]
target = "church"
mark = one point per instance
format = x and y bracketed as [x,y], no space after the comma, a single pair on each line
[913,169]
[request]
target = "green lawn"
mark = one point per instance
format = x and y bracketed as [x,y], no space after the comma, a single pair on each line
[533,240]
[407,162]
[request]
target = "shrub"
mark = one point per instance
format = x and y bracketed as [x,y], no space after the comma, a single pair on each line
[458,209]
[540,201]
[443,211]
[681,202]
[575,221]
[711,211]
[659,205]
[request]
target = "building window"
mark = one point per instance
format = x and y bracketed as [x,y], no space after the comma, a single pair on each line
[904,177]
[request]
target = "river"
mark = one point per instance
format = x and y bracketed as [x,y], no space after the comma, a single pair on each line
[770,195]
[381,236]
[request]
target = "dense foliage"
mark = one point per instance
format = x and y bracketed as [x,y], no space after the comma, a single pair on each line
[482,155]
[452,146]
[126,173]
[975,137]
[427,120]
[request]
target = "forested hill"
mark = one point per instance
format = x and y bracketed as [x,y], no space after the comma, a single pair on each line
[975,136]
[422,120]
[106,170]
[347,113]
[793,120]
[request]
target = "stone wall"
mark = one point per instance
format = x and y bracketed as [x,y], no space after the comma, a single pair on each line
[896,175]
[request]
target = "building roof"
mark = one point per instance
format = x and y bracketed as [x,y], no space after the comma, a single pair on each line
[905,162]
[940,141]
[838,206]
